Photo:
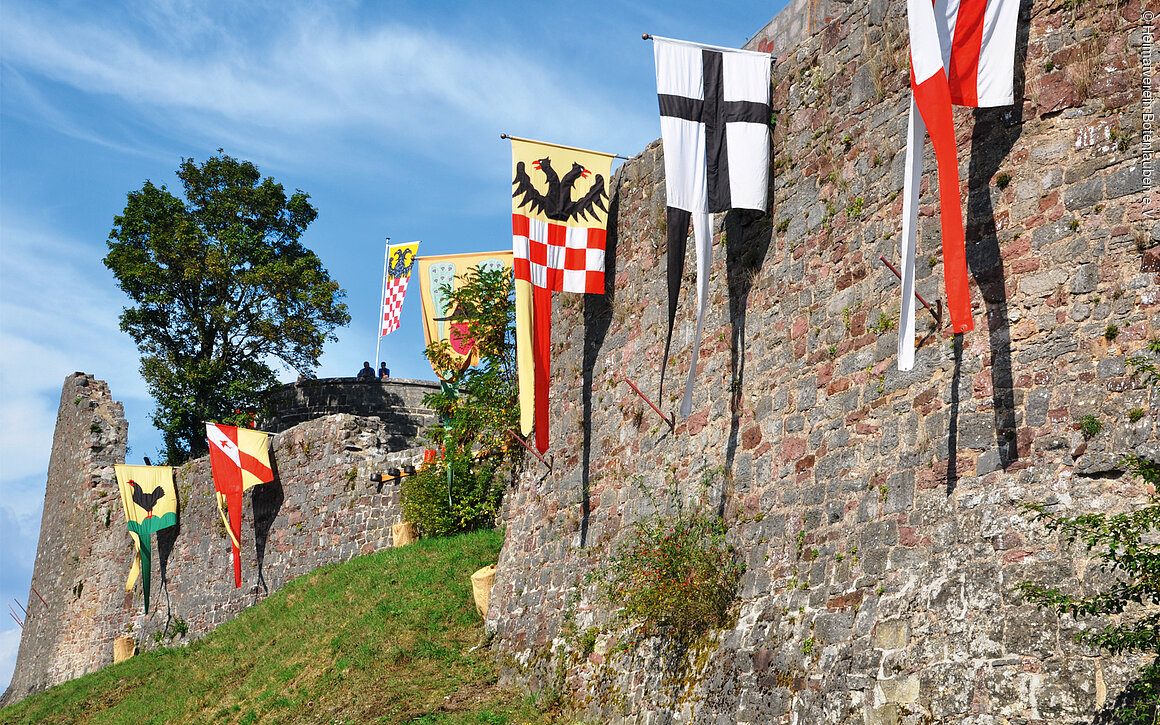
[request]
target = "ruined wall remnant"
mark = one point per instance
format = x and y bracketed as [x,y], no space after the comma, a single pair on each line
[322,508]
[878,512]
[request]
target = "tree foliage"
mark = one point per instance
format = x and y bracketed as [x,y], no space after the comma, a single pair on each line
[1128,549]
[461,489]
[220,288]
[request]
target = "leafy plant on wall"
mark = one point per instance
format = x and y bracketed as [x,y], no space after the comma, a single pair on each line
[675,575]
[1127,548]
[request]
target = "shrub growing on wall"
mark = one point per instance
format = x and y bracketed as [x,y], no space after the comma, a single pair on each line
[1127,548]
[675,576]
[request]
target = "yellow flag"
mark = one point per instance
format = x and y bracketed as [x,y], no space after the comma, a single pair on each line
[150,500]
[440,320]
[560,201]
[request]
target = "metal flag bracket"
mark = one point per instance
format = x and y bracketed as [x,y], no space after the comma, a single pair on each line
[531,449]
[670,420]
[936,315]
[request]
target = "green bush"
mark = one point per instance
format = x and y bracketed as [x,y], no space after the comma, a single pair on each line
[675,576]
[1126,547]
[470,502]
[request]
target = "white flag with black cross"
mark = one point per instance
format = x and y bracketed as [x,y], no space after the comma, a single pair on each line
[715,129]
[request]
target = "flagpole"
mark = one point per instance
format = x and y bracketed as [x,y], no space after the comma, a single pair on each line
[382,298]
[562,146]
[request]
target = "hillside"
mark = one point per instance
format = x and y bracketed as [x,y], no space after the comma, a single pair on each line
[387,637]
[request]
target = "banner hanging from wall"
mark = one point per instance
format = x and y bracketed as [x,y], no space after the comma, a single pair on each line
[560,200]
[240,459]
[440,274]
[150,500]
[715,111]
[961,52]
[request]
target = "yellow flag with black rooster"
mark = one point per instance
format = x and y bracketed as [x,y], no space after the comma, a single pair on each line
[150,499]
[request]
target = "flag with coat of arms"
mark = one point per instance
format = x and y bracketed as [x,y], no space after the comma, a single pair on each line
[240,459]
[560,201]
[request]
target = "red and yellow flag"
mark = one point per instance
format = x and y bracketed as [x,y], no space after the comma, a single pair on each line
[560,200]
[240,459]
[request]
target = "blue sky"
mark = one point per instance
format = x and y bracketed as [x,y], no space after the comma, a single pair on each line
[387,113]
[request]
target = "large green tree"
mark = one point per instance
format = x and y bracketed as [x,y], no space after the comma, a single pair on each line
[221,288]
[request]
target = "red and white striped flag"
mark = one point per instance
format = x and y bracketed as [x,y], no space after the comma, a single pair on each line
[400,261]
[961,52]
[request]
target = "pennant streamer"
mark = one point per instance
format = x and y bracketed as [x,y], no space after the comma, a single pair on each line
[440,320]
[150,501]
[560,200]
[715,111]
[240,459]
[962,52]
[400,260]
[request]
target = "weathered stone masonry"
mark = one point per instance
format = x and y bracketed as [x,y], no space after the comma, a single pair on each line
[322,508]
[905,487]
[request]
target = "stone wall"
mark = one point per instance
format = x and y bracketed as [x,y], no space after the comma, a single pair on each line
[878,512]
[90,437]
[796,23]
[397,402]
[322,508]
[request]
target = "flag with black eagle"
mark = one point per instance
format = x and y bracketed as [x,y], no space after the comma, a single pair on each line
[150,500]
[714,105]
[400,261]
[560,199]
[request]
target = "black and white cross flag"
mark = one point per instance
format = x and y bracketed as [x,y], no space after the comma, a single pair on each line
[715,130]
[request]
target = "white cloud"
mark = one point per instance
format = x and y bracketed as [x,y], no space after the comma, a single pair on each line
[313,74]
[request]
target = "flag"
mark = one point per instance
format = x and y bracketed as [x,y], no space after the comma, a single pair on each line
[440,320]
[400,260]
[961,52]
[150,500]
[714,105]
[559,227]
[240,459]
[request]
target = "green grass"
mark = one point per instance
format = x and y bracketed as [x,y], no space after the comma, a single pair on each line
[383,638]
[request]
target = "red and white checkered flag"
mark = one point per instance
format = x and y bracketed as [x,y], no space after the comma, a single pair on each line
[400,260]
[559,258]
[560,199]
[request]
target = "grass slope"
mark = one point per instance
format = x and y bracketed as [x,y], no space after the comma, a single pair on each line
[382,638]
